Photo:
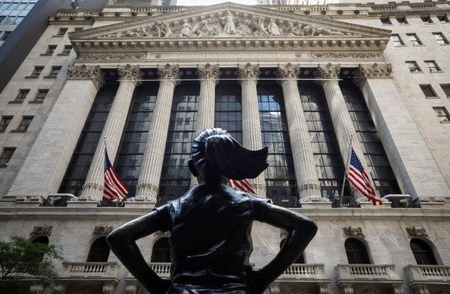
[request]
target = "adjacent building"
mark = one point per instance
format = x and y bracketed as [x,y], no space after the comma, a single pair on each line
[308,81]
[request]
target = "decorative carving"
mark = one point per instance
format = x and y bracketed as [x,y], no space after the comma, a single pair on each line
[324,288]
[228,24]
[130,72]
[108,288]
[102,231]
[39,231]
[416,232]
[273,29]
[289,71]
[111,56]
[169,72]
[375,71]
[353,232]
[131,289]
[347,55]
[37,289]
[248,71]
[84,72]
[208,71]
[328,71]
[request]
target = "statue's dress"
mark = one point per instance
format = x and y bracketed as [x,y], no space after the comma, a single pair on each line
[210,238]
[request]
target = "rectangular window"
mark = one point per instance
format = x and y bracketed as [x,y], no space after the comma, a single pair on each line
[412,66]
[426,19]
[396,40]
[415,41]
[442,114]
[50,50]
[21,96]
[66,50]
[40,96]
[440,38]
[432,66]
[62,32]
[402,20]
[4,122]
[78,29]
[442,18]
[24,124]
[428,91]
[6,156]
[5,35]
[446,89]
[36,71]
[54,72]
[385,20]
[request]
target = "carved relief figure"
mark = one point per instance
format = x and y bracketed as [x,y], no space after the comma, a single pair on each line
[202,29]
[273,29]
[245,27]
[260,29]
[228,26]
[186,30]
[292,29]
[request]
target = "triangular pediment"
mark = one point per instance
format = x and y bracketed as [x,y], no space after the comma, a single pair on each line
[230,24]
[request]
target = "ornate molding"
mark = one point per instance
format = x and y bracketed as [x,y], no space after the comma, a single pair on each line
[108,288]
[105,57]
[353,232]
[328,71]
[416,232]
[102,231]
[289,71]
[39,231]
[84,72]
[248,71]
[347,55]
[169,72]
[208,71]
[375,71]
[130,73]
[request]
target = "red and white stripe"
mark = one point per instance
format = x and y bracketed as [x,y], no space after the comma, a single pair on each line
[243,185]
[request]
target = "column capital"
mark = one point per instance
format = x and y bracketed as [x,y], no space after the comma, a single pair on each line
[248,71]
[84,72]
[328,71]
[130,73]
[169,72]
[374,71]
[288,71]
[208,72]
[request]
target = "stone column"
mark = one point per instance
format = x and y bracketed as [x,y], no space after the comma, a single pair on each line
[308,185]
[46,164]
[148,182]
[421,289]
[130,77]
[251,125]
[405,146]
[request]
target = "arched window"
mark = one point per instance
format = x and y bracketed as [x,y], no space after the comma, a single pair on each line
[422,252]
[356,252]
[300,259]
[99,251]
[161,251]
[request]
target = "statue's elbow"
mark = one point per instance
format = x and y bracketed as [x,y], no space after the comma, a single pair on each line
[311,229]
[116,237]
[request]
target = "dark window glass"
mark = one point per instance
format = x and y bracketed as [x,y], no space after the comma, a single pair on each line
[4,122]
[412,66]
[330,167]
[356,252]
[422,252]
[175,175]
[50,49]
[228,108]
[24,124]
[5,35]
[402,20]
[161,251]
[99,251]
[446,89]
[62,32]
[40,96]
[67,49]
[54,71]
[428,91]
[442,18]
[280,175]
[41,240]
[21,95]
[37,71]
[426,19]
[131,151]
[6,156]
[375,156]
[385,20]
[87,143]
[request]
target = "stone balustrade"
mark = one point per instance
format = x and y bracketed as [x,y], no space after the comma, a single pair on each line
[90,269]
[428,273]
[161,268]
[365,272]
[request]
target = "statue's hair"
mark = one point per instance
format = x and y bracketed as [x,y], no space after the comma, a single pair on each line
[216,153]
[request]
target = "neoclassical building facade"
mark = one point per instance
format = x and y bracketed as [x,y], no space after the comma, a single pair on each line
[308,81]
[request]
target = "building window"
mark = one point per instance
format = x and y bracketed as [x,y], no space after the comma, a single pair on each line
[50,50]
[40,96]
[279,175]
[385,20]
[21,96]
[422,252]
[356,252]
[442,114]
[440,38]
[432,66]
[446,89]
[37,71]
[161,251]
[442,18]
[426,19]
[396,40]
[175,175]
[415,41]
[78,29]
[54,72]
[412,66]
[62,32]
[6,155]
[5,35]
[428,91]
[402,20]
[131,151]
[87,143]
[99,251]
[24,124]
[4,122]
[228,109]
[66,50]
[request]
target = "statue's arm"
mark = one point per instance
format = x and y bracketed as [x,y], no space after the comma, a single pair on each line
[122,242]
[301,231]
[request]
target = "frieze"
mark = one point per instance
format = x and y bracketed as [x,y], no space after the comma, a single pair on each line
[375,71]
[416,232]
[105,57]
[39,231]
[289,71]
[248,71]
[347,55]
[84,72]
[102,231]
[353,232]
[208,71]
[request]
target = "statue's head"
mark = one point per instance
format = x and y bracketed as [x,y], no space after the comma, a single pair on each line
[215,154]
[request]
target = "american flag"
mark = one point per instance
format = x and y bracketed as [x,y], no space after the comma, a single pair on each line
[115,190]
[243,185]
[359,179]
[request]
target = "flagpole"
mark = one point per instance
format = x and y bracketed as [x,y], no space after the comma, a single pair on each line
[347,165]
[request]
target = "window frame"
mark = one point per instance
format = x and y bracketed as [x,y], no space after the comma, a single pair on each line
[24,124]
[6,155]
[20,97]
[5,120]
[440,38]
[416,68]
[434,68]
[397,40]
[414,39]
[428,89]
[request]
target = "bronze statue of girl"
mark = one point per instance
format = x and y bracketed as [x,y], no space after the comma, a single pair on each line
[210,226]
